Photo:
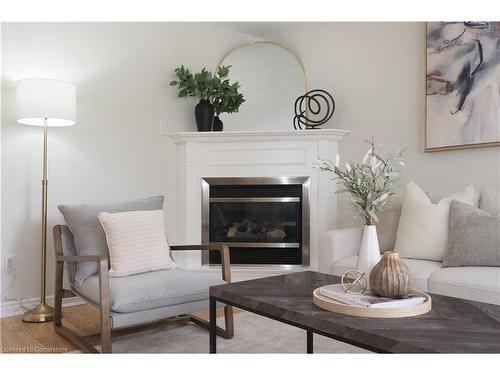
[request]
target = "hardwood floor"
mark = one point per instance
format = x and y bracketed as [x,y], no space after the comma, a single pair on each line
[17,336]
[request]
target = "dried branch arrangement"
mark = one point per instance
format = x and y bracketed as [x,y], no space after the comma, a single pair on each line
[370,182]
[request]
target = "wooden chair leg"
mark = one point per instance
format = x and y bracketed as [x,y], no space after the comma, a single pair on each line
[105,332]
[228,322]
[58,293]
[77,340]
[67,333]
[104,308]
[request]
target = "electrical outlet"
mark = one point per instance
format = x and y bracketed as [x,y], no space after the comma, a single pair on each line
[10,264]
[163,129]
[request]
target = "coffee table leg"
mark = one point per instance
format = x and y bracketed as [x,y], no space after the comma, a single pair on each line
[310,342]
[213,325]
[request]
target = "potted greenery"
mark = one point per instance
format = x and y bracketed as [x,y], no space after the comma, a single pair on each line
[198,85]
[370,183]
[227,98]
[216,94]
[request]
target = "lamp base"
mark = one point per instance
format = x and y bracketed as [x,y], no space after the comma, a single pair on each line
[41,313]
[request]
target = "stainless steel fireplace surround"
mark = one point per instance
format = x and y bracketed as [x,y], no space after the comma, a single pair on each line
[244,201]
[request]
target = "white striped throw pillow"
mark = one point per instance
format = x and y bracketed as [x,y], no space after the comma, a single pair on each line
[137,242]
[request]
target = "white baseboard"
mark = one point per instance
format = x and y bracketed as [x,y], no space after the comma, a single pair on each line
[12,308]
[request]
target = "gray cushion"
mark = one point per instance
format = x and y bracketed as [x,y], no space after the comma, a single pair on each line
[151,290]
[149,316]
[88,233]
[474,237]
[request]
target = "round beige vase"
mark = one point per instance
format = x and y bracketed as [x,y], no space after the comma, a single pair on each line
[390,277]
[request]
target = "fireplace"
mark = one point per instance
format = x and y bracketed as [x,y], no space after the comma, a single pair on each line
[249,154]
[263,220]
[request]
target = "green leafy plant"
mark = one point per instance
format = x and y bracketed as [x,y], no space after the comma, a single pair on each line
[227,98]
[371,183]
[200,85]
[217,88]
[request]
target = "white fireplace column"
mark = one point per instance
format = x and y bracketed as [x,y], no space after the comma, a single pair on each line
[254,154]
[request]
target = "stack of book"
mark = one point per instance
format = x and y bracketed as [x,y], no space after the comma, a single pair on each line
[368,299]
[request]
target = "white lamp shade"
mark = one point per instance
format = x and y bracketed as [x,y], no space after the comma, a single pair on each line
[37,99]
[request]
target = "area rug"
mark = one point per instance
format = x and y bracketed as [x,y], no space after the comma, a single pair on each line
[253,334]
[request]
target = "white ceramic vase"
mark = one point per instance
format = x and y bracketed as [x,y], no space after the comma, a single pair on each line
[369,252]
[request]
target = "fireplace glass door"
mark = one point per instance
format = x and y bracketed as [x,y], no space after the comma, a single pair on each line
[258,221]
[261,223]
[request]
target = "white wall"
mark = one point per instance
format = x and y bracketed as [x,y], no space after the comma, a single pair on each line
[375,71]
[115,151]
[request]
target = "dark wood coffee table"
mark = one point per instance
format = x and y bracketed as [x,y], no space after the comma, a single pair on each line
[453,326]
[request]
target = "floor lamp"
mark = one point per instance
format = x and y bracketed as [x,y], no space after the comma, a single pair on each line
[44,102]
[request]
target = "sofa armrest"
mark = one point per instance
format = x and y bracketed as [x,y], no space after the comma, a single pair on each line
[336,244]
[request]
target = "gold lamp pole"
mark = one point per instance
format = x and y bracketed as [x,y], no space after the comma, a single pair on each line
[42,312]
[44,102]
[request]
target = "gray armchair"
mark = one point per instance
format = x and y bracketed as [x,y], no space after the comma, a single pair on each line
[130,303]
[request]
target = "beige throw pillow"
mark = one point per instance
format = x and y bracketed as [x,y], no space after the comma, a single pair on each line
[137,242]
[424,226]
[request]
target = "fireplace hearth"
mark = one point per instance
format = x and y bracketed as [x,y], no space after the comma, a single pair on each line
[263,220]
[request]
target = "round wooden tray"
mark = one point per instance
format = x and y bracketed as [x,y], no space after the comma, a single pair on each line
[370,312]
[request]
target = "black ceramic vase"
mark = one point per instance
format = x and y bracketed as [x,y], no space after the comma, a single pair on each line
[218,125]
[204,115]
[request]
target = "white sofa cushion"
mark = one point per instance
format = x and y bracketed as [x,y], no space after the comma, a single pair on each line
[388,225]
[474,283]
[423,226]
[344,264]
[490,201]
[421,270]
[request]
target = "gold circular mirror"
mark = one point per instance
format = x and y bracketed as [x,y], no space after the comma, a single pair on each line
[271,78]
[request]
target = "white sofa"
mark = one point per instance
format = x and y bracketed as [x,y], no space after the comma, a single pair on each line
[339,249]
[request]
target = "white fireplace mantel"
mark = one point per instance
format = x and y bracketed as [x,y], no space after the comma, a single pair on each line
[254,154]
[259,136]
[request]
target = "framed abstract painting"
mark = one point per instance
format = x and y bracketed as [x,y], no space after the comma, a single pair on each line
[462,85]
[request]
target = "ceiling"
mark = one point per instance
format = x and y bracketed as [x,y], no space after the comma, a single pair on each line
[261,30]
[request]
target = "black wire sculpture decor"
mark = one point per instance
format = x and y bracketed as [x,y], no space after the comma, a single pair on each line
[313,109]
